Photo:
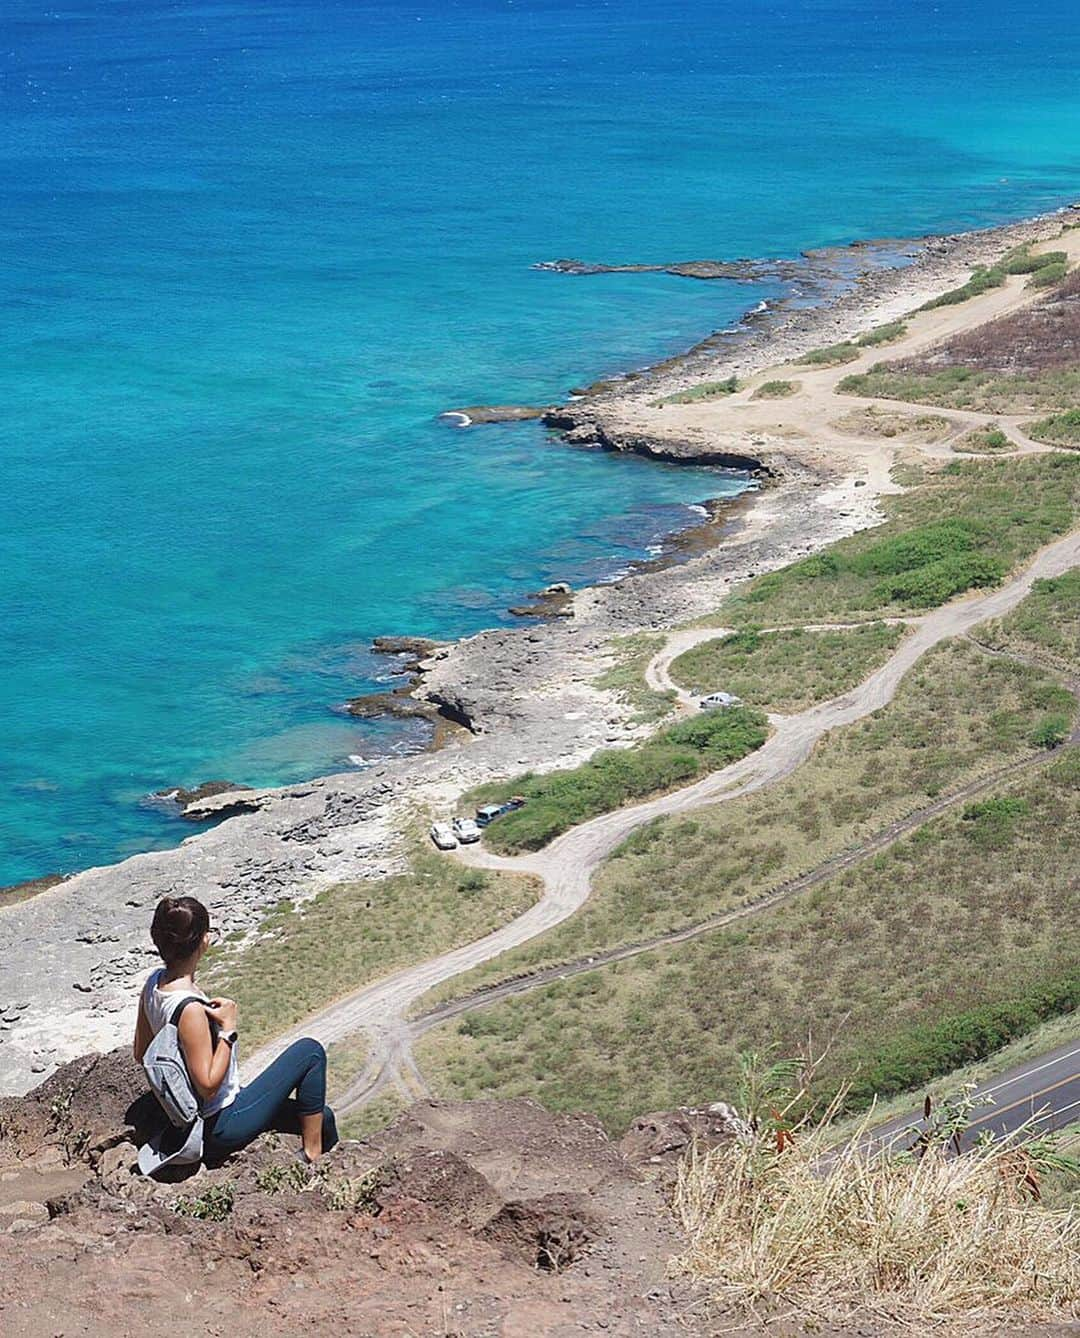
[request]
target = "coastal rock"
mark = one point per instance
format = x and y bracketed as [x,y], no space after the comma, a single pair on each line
[475,414]
[379,705]
[183,797]
[586,429]
[419,646]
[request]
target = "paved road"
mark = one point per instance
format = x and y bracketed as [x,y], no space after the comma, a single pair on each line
[567,865]
[1044,1091]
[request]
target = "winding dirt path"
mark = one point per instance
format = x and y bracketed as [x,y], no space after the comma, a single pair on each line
[566,866]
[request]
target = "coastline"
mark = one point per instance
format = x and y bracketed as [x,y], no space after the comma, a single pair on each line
[528,693]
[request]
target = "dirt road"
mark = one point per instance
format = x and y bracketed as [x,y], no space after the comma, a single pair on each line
[566,866]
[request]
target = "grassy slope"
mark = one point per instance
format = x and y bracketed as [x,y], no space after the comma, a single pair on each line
[966,912]
[1046,625]
[963,527]
[965,388]
[356,932]
[1062,429]
[787,671]
[958,714]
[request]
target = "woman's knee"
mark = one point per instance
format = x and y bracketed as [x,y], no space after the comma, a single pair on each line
[309,1050]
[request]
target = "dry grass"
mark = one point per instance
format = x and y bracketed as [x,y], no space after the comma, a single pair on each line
[988,440]
[873,421]
[950,1243]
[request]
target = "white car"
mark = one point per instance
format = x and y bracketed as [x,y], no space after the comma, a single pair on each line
[466,830]
[719,701]
[443,836]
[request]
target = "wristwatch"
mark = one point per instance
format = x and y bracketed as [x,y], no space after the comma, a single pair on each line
[229,1037]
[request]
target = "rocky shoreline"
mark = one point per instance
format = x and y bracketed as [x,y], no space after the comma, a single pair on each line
[529,694]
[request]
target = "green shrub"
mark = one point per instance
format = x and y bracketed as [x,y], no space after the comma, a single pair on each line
[993,821]
[927,587]
[560,800]
[917,548]
[214,1204]
[981,281]
[924,1052]
[1024,262]
[884,334]
[1048,275]
[1050,732]
[776,390]
[1060,429]
[829,357]
[708,390]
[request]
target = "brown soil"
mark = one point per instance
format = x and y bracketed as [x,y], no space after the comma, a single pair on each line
[468,1219]
[1039,338]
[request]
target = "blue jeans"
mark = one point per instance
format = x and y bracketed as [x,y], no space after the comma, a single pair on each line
[267,1103]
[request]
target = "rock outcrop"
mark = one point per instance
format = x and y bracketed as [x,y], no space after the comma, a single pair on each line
[460,1218]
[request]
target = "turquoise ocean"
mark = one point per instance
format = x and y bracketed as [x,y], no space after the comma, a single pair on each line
[249,251]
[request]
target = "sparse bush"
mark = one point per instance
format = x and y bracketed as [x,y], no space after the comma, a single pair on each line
[884,334]
[1048,275]
[1050,732]
[775,390]
[214,1204]
[1060,429]
[981,281]
[831,356]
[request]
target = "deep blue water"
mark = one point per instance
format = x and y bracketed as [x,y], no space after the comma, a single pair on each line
[248,251]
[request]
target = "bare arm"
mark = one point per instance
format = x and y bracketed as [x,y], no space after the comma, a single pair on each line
[207,1063]
[143,1035]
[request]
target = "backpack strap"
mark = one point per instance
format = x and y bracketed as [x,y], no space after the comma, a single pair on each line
[188,998]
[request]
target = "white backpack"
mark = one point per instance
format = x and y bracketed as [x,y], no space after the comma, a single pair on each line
[181,1141]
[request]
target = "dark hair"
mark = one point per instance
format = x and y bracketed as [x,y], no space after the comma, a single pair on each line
[178,926]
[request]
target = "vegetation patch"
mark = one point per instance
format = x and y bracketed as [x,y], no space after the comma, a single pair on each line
[967,388]
[787,671]
[707,390]
[874,421]
[832,356]
[626,677]
[988,440]
[377,1114]
[1024,261]
[965,527]
[1045,626]
[353,933]
[883,334]
[958,714]
[983,278]
[776,390]
[925,956]
[672,757]
[1060,429]
[1046,276]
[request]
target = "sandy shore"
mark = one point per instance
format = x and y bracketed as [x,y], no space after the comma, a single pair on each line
[73,954]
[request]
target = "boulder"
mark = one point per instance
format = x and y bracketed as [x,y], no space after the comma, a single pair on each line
[665,1135]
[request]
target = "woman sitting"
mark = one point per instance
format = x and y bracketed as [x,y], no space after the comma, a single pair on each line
[233,1115]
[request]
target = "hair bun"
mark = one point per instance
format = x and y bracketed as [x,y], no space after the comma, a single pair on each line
[178,927]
